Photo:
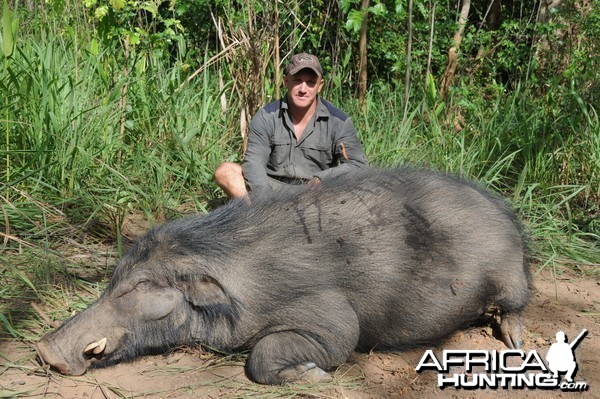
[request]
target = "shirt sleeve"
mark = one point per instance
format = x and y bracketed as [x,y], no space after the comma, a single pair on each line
[348,151]
[257,153]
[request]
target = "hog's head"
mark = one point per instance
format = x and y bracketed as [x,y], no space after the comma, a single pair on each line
[157,299]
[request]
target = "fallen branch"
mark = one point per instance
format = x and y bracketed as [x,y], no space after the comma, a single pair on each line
[44,316]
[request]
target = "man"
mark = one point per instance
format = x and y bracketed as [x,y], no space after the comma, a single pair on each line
[300,138]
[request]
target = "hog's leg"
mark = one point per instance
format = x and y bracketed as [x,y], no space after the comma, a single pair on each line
[513,292]
[301,352]
[511,325]
[288,356]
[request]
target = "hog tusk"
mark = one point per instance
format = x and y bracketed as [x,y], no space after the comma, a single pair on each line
[96,347]
[100,348]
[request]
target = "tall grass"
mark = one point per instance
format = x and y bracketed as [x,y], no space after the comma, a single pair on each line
[66,140]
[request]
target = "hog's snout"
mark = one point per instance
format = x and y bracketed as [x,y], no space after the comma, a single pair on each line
[53,356]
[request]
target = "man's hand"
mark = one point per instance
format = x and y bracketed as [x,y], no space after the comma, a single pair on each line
[315,181]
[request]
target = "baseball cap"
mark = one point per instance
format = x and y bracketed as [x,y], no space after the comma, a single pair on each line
[301,61]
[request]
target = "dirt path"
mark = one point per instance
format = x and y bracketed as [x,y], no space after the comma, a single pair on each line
[570,305]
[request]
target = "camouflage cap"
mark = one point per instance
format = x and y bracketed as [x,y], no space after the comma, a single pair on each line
[302,61]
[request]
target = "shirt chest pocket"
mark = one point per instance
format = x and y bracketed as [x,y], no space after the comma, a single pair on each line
[280,153]
[318,154]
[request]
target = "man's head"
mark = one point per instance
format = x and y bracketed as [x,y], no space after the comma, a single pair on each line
[303,80]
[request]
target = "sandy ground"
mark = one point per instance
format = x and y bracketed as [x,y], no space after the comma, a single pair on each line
[569,304]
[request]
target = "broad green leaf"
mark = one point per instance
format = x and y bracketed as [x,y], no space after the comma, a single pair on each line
[355,18]
[378,9]
[101,12]
[7,31]
[117,4]
[431,89]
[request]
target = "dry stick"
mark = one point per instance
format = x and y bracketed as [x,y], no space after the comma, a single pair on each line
[123,100]
[44,316]
[208,63]
[431,33]
[300,22]
[430,48]
[226,54]
[6,226]
[107,395]
[276,50]
[20,241]
[336,48]
[408,59]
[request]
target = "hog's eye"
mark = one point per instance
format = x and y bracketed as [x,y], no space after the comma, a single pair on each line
[144,285]
[140,286]
[124,290]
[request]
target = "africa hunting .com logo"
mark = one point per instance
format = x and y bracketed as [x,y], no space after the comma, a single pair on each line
[532,372]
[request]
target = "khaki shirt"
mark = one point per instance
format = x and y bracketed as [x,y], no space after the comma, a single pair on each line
[328,147]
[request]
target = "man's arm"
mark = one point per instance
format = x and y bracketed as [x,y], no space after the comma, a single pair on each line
[257,154]
[349,152]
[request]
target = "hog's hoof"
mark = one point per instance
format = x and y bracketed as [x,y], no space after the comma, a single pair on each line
[511,326]
[304,373]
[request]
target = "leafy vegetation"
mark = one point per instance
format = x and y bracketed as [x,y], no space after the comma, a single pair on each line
[110,109]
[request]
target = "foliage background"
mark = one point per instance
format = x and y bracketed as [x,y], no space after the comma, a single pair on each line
[114,108]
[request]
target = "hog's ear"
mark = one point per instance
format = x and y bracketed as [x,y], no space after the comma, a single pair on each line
[203,291]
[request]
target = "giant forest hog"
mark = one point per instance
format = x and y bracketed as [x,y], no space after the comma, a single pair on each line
[377,260]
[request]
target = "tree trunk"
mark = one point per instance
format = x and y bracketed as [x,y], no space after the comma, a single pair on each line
[493,17]
[408,59]
[448,76]
[545,9]
[362,49]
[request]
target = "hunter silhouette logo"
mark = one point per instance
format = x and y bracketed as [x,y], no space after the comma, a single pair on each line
[500,371]
[560,356]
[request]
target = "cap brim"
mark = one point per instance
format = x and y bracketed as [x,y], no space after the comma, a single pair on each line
[297,69]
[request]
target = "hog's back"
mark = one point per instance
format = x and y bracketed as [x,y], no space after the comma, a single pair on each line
[417,254]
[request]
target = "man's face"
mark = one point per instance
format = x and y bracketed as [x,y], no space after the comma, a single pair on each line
[303,88]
